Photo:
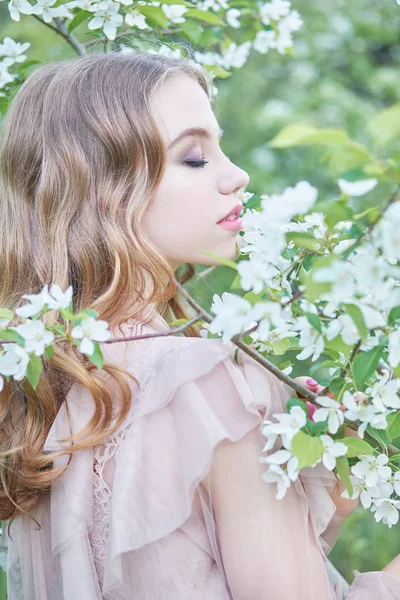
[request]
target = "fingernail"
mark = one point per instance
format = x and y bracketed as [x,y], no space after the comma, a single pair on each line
[311,410]
[311,381]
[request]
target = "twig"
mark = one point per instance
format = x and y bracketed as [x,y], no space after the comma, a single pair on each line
[371,226]
[62,30]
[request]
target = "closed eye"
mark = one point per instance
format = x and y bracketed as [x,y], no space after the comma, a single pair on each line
[196,163]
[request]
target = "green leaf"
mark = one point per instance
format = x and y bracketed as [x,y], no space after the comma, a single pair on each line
[307,449]
[279,347]
[355,446]
[296,402]
[78,19]
[83,314]
[334,211]
[342,469]
[6,313]
[291,135]
[303,240]
[235,285]
[206,17]
[90,312]
[217,71]
[364,366]
[356,315]
[314,320]
[394,315]
[155,16]
[221,259]
[300,134]
[385,126]
[314,289]
[346,157]
[34,370]
[193,31]
[373,209]
[49,351]
[394,425]
[316,429]
[336,386]
[97,357]
[379,435]
[10,335]
[67,315]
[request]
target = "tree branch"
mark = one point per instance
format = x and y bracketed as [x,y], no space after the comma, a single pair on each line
[62,30]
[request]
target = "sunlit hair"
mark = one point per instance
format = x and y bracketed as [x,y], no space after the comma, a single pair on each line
[81,159]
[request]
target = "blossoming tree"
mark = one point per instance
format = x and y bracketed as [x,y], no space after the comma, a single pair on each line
[316,277]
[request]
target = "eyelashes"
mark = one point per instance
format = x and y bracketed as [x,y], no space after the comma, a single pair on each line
[196,163]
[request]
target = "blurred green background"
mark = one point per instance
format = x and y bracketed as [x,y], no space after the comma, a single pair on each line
[345,69]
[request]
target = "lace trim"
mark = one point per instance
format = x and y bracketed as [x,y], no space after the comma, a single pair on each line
[106,451]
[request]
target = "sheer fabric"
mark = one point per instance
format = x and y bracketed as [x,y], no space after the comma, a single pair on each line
[173,507]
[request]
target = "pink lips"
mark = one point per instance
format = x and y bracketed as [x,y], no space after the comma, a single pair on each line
[232,224]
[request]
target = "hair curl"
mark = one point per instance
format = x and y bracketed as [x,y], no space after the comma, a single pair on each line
[80,160]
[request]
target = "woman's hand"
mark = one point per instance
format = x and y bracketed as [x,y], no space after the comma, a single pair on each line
[344,506]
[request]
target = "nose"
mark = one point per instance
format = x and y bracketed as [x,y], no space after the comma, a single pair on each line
[235,179]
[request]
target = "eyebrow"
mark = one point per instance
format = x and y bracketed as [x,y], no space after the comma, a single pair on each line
[194,131]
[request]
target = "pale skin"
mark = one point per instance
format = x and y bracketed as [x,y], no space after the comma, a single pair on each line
[189,199]
[182,217]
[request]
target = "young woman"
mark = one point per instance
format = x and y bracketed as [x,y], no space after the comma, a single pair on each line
[141,481]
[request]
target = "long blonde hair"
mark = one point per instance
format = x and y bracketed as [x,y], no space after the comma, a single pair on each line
[81,158]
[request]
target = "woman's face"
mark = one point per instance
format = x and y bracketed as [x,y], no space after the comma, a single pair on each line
[182,218]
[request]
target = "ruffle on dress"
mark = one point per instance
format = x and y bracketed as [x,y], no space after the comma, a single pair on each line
[193,395]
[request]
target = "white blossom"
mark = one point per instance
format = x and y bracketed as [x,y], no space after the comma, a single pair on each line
[215,5]
[5,76]
[276,474]
[283,456]
[384,392]
[358,409]
[268,314]
[35,335]
[14,361]
[13,51]
[175,12]
[386,510]
[236,56]
[288,424]
[232,17]
[88,331]
[330,412]
[274,10]
[233,315]
[332,450]
[264,41]
[343,325]
[17,7]
[372,469]
[136,19]
[107,17]
[293,201]
[310,340]
[357,188]
[58,299]
[364,492]
[45,9]
[37,303]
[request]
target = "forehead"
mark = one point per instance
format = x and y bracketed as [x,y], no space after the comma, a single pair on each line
[181,103]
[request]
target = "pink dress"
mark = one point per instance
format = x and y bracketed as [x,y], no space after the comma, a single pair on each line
[137,517]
